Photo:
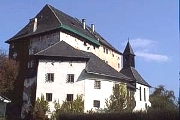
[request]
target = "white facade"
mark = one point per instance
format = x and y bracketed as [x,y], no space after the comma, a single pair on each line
[83,84]
[101,94]
[59,87]
[141,97]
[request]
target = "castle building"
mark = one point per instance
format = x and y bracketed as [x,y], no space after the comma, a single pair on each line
[61,57]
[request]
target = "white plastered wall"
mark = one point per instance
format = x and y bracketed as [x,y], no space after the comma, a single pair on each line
[112,58]
[141,104]
[59,88]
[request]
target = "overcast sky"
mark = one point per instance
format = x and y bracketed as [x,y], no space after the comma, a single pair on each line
[151,26]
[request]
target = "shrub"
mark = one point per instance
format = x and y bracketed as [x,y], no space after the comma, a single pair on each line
[40,109]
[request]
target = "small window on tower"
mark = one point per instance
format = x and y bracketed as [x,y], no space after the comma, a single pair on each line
[31,64]
[126,58]
[15,55]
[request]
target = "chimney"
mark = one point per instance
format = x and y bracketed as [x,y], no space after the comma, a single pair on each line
[92,27]
[33,24]
[84,23]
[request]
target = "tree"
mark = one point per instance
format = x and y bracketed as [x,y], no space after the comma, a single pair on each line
[8,73]
[121,100]
[163,99]
[40,109]
[75,106]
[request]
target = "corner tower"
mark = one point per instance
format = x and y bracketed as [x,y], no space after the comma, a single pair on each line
[128,57]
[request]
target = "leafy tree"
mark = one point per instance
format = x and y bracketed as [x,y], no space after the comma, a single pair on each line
[8,73]
[121,100]
[162,99]
[75,106]
[40,109]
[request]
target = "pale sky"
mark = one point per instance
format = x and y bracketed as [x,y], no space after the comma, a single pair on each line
[152,27]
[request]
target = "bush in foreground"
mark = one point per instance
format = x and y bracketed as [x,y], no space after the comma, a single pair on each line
[151,115]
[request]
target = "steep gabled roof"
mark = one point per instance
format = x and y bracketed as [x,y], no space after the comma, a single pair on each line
[97,66]
[94,64]
[128,49]
[133,73]
[46,21]
[61,49]
[50,18]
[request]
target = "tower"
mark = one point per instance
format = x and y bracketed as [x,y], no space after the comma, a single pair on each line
[128,57]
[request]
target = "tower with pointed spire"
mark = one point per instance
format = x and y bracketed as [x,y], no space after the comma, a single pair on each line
[128,57]
[142,87]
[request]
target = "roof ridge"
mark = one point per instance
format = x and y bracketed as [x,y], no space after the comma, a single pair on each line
[50,7]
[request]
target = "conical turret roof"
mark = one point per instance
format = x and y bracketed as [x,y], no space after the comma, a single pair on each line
[128,49]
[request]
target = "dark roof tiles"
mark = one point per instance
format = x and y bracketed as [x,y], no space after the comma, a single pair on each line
[97,66]
[50,18]
[133,73]
[128,49]
[61,49]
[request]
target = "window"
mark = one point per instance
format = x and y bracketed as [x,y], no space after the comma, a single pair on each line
[118,65]
[85,43]
[15,55]
[106,51]
[31,64]
[140,93]
[70,78]
[69,97]
[113,54]
[12,45]
[97,84]
[31,51]
[50,77]
[96,103]
[126,59]
[144,94]
[48,97]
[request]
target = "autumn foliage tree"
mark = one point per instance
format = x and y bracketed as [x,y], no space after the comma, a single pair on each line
[8,73]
